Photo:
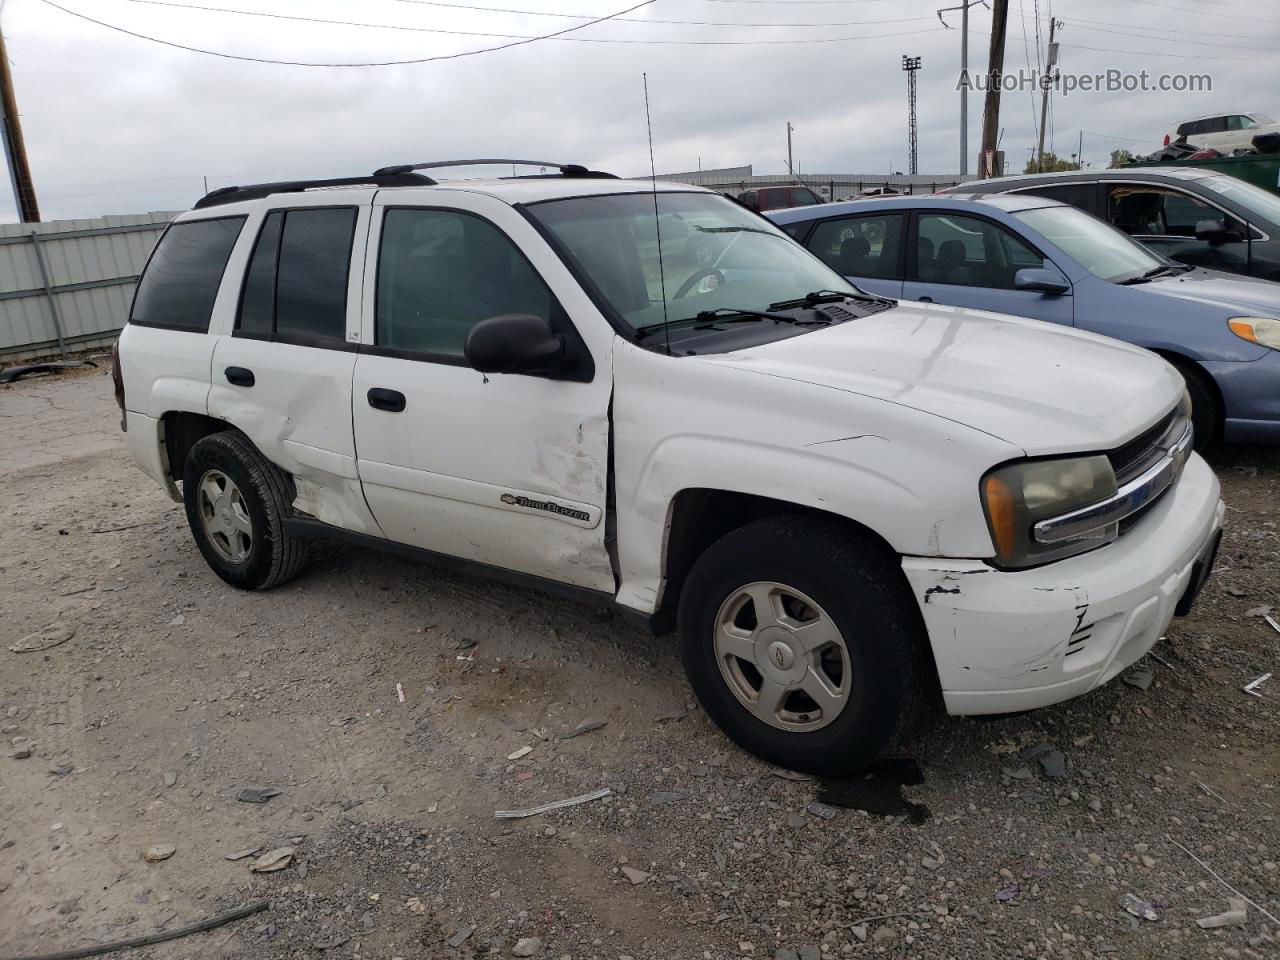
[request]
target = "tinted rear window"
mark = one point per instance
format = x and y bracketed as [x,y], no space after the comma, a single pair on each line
[311,273]
[181,281]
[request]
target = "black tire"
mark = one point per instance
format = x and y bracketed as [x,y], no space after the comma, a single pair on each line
[856,581]
[273,556]
[1206,408]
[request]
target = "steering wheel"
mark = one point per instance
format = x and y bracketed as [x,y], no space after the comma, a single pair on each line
[695,279]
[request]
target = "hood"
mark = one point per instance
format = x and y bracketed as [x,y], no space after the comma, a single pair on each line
[1232,293]
[1044,388]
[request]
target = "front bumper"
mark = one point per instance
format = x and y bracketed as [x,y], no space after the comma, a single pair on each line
[1007,641]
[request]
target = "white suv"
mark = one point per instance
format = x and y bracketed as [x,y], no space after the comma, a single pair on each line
[844,504]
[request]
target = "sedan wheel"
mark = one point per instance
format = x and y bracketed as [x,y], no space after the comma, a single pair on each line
[224,516]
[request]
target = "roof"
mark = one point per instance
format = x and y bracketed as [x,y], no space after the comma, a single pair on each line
[977,203]
[1165,171]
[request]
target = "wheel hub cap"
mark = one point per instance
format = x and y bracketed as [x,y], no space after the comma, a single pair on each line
[782,656]
[224,516]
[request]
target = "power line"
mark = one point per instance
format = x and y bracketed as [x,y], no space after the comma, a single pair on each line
[1214,12]
[585,16]
[382,63]
[1154,53]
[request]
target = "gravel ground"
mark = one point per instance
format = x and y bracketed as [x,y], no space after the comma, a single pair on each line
[176,693]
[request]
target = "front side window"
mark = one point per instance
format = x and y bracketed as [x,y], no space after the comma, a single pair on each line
[295,286]
[970,252]
[1152,211]
[1098,247]
[182,278]
[440,272]
[720,255]
[867,246]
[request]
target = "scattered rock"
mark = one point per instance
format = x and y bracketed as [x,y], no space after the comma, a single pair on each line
[256,794]
[1237,916]
[520,752]
[159,851]
[1139,907]
[21,748]
[527,947]
[1053,764]
[1259,611]
[667,796]
[1095,805]
[586,726]
[635,876]
[241,854]
[460,936]
[415,906]
[1008,893]
[61,769]
[931,864]
[860,932]
[170,778]
[178,621]
[1141,679]
[273,860]
[820,810]
[884,934]
[51,636]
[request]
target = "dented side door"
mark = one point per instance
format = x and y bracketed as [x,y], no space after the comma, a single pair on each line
[506,470]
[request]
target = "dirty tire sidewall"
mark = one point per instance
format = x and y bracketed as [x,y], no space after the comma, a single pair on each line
[856,581]
[1206,410]
[274,556]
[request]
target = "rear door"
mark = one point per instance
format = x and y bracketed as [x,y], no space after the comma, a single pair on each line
[866,249]
[969,261]
[284,375]
[503,469]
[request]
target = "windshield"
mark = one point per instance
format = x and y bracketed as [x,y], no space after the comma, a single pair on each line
[1097,246]
[1262,203]
[715,254]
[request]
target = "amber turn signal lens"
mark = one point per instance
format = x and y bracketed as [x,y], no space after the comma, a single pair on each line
[1000,514]
[1243,329]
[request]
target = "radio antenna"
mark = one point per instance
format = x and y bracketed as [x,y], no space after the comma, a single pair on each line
[657,224]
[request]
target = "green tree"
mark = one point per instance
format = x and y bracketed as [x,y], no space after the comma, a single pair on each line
[1120,157]
[1050,164]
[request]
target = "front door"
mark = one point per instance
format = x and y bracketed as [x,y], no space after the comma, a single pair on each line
[504,469]
[967,261]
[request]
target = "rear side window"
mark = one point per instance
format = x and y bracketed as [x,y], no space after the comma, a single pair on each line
[181,281]
[1077,194]
[296,283]
[866,246]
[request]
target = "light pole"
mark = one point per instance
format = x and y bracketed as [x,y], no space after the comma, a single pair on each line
[964,76]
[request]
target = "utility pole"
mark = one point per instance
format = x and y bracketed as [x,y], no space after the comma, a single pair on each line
[964,75]
[1080,152]
[911,65]
[24,191]
[995,72]
[1045,83]
[790,169]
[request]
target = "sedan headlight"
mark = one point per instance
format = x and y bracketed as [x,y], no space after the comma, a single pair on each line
[1019,495]
[1264,331]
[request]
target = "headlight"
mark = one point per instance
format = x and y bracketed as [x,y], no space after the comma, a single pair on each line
[1264,331]
[1018,495]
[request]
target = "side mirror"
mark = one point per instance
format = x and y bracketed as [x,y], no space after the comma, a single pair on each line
[1214,231]
[516,343]
[1039,280]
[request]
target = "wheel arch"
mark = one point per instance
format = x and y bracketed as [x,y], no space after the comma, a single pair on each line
[1182,361]
[699,516]
[182,430]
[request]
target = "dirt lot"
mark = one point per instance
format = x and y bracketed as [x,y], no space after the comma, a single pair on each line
[176,693]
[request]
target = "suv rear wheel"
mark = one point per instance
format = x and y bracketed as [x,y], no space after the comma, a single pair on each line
[804,644]
[236,503]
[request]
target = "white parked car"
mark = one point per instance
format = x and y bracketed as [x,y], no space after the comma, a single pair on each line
[1224,132]
[844,504]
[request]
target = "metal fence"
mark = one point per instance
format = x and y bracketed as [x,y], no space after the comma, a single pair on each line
[67,284]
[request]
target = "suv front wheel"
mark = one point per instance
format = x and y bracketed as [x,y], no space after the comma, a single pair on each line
[804,644]
[236,503]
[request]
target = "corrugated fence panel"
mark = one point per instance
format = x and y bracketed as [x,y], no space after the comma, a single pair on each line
[92,267]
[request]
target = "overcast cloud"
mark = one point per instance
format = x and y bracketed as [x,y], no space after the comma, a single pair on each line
[116,124]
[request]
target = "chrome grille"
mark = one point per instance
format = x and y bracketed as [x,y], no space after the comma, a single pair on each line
[1131,459]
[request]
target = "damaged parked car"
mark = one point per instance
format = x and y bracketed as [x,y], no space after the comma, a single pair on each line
[1033,257]
[845,505]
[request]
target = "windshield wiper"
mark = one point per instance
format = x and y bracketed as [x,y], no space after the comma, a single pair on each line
[708,318]
[823,296]
[1151,274]
[767,233]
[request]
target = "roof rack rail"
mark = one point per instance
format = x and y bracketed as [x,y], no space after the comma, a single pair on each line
[255,191]
[565,169]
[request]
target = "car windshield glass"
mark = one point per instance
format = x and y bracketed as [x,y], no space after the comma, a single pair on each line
[715,254]
[1098,247]
[1261,203]
[1261,118]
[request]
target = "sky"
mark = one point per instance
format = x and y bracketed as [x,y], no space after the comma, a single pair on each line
[118,124]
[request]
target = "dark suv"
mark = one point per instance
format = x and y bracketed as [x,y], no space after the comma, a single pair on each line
[1200,217]
[778,198]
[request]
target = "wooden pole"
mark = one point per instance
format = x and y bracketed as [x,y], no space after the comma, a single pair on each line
[15,148]
[995,72]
